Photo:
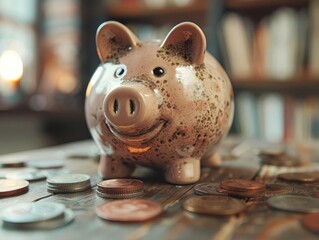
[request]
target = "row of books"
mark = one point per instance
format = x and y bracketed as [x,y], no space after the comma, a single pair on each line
[281,46]
[276,117]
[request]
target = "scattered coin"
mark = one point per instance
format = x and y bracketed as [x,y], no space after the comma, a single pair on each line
[311,222]
[294,203]
[207,188]
[60,221]
[10,187]
[277,189]
[283,161]
[46,164]
[32,212]
[241,187]
[302,177]
[129,210]
[214,205]
[120,188]
[12,162]
[29,174]
[68,183]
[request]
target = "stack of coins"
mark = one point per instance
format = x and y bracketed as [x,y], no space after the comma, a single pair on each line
[242,187]
[214,205]
[120,188]
[129,210]
[68,183]
[11,187]
[36,215]
[301,177]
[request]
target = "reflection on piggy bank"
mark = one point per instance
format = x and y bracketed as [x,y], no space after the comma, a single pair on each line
[161,104]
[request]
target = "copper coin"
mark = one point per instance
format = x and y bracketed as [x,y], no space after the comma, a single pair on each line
[214,205]
[311,222]
[207,188]
[249,193]
[129,210]
[277,189]
[303,177]
[10,187]
[241,185]
[120,186]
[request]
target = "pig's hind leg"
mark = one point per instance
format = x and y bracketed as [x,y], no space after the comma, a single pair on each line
[114,168]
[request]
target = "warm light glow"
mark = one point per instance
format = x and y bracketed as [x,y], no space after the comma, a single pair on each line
[11,66]
[138,150]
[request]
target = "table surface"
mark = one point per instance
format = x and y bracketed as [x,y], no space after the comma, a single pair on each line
[258,221]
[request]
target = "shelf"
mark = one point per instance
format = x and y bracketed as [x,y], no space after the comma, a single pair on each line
[290,86]
[139,11]
[261,4]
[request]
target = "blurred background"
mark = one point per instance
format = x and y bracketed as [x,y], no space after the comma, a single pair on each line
[269,48]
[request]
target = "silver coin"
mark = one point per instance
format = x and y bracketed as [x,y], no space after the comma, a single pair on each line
[46,164]
[29,174]
[32,212]
[68,178]
[65,219]
[294,203]
[67,190]
[207,188]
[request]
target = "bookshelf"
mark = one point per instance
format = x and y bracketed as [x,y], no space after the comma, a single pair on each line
[275,76]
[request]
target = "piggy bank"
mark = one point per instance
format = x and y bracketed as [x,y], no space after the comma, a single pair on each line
[164,104]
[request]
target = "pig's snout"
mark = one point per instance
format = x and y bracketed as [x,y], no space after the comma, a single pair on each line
[131,108]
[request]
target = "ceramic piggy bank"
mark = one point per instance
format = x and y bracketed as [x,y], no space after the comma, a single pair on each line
[164,104]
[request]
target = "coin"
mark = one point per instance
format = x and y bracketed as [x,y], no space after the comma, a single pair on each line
[120,188]
[294,203]
[241,185]
[277,189]
[302,177]
[13,162]
[311,222]
[46,164]
[214,205]
[283,160]
[11,187]
[207,188]
[72,178]
[32,212]
[129,210]
[68,183]
[29,174]
[60,221]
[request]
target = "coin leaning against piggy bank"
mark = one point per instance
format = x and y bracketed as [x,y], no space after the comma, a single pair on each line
[164,104]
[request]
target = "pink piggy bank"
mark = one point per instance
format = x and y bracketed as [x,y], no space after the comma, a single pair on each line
[161,104]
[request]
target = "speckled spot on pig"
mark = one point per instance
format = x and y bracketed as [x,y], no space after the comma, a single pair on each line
[117,48]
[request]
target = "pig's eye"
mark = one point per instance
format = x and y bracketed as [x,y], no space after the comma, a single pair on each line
[119,72]
[158,72]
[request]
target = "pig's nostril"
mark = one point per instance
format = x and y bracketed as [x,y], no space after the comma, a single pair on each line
[115,106]
[132,106]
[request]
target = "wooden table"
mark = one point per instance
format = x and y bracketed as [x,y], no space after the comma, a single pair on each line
[257,222]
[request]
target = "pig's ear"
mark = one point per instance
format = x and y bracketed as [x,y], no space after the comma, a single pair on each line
[188,40]
[114,40]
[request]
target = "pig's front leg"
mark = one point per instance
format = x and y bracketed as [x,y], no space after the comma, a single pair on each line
[183,171]
[114,168]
